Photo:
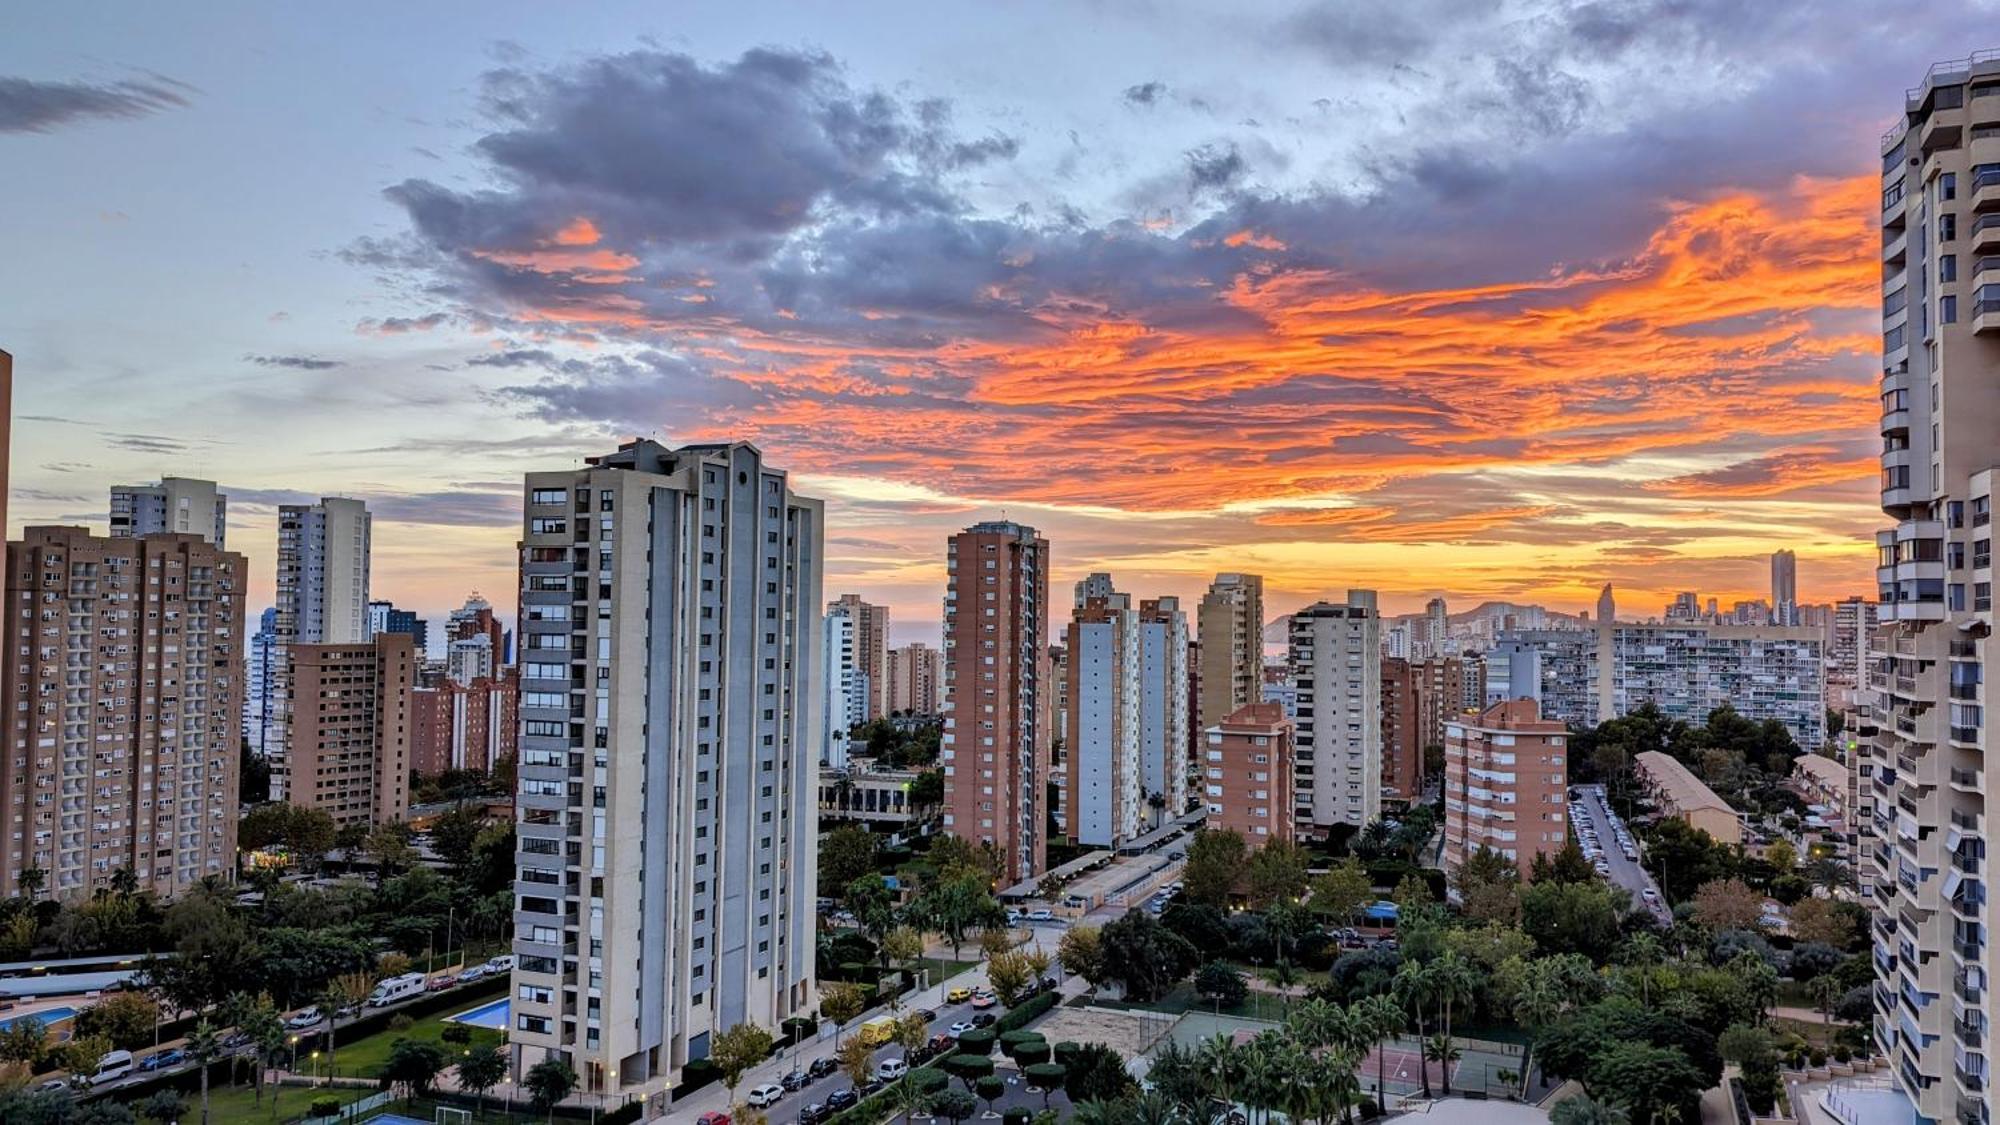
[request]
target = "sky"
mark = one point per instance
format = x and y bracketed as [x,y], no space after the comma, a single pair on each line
[1494,300]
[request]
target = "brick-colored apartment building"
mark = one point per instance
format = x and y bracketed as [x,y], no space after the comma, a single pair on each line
[1506,784]
[1246,774]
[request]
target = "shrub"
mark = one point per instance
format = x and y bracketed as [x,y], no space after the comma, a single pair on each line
[1841,1054]
[324,1107]
[1030,1009]
[1066,1051]
[1818,1056]
[1032,1045]
[978,1041]
[456,1033]
[1369,1108]
[1016,1115]
[401,1021]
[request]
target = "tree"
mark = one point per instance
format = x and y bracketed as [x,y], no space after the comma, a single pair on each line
[855,1058]
[969,1067]
[1214,863]
[259,1020]
[346,990]
[125,1018]
[872,903]
[952,855]
[953,1105]
[1411,892]
[480,1069]
[1343,890]
[1728,904]
[388,845]
[1644,1078]
[1821,920]
[989,1089]
[548,1082]
[1781,856]
[453,835]
[1585,1110]
[165,1106]
[1081,952]
[1010,976]
[846,854]
[1097,1073]
[959,903]
[1221,985]
[414,1064]
[1485,867]
[995,940]
[1048,1076]
[841,1002]
[903,945]
[1415,988]
[1571,917]
[1276,873]
[1453,982]
[1568,865]
[737,1050]
[1146,957]
[203,1046]
[23,1040]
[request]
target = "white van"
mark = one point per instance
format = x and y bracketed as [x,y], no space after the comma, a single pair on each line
[389,991]
[110,1068]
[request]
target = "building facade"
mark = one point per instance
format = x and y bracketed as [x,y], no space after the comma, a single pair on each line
[1850,625]
[128,677]
[1934,951]
[670,717]
[1335,657]
[1246,774]
[1784,588]
[260,688]
[323,560]
[1402,748]
[1230,626]
[997,710]
[871,652]
[1678,793]
[384,617]
[1506,785]
[349,728]
[177,505]
[916,675]
[1101,791]
[846,684]
[1163,713]
[465,726]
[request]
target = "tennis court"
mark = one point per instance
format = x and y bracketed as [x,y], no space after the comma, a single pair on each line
[1481,1067]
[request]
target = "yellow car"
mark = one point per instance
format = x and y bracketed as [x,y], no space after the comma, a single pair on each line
[958,995]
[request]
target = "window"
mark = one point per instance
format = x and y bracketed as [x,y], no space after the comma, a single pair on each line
[541,526]
[547,496]
[1948,186]
[1947,267]
[1947,227]
[1947,310]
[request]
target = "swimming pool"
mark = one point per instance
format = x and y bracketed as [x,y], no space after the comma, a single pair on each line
[49,1017]
[492,1015]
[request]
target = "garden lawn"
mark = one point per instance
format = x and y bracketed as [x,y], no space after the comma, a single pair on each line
[942,969]
[239,1103]
[365,1058]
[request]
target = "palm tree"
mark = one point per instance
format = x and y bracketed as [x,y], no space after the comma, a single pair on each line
[1383,1020]
[1314,1022]
[1219,1057]
[1412,986]
[1262,1077]
[1585,1110]
[32,880]
[1438,1049]
[202,1047]
[1454,980]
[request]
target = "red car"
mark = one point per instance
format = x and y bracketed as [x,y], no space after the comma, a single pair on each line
[712,1119]
[439,984]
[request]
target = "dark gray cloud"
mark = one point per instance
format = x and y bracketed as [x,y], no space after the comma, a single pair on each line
[28,106]
[514,357]
[1145,94]
[1215,168]
[147,443]
[295,362]
[459,506]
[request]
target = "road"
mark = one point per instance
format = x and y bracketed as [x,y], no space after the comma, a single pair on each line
[714,1098]
[1592,809]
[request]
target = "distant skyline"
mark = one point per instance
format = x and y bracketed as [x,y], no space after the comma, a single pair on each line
[1503,301]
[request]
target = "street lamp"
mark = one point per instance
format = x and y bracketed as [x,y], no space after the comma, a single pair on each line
[315,1058]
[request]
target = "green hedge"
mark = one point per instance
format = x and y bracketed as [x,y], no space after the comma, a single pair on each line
[1031,1009]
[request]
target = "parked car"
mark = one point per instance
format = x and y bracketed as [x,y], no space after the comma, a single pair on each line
[440,983]
[960,1028]
[814,1114]
[869,1088]
[306,1017]
[1044,914]
[958,995]
[820,1068]
[888,1070]
[942,1042]
[110,1068]
[984,1000]
[712,1119]
[795,1081]
[235,1040]
[983,1019]
[501,964]
[926,1014]
[477,972]
[161,1060]
[842,1099]
[769,1094]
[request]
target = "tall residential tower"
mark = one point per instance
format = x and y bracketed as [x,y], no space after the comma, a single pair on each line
[1336,662]
[323,554]
[670,717]
[177,504]
[1230,627]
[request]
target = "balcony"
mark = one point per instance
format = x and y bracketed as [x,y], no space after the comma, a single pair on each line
[1986,311]
[1985,194]
[1984,235]
[1965,780]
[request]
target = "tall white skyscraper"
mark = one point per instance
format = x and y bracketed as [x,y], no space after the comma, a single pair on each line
[1103,794]
[846,684]
[177,504]
[323,552]
[1940,393]
[1336,661]
[260,690]
[671,717]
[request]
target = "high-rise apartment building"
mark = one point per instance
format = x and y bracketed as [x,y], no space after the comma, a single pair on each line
[1336,662]
[995,750]
[128,682]
[671,710]
[1607,606]
[384,617]
[1686,668]
[1784,588]
[6,447]
[871,652]
[1402,748]
[176,504]
[1852,622]
[464,725]
[1163,702]
[846,683]
[1506,785]
[1230,626]
[323,554]
[475,642]
[260,687]
[916,676]
[1246,774]
[1101,793]
[1436,629]
[1934,948]
[350,728]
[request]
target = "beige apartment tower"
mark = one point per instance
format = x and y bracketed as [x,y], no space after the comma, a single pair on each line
[1337,670]
[1934,918]
[671,710]
[871,651]
[1229,624]
[998,700]
[916,676]
[128,677]
[351,727]
[323,564]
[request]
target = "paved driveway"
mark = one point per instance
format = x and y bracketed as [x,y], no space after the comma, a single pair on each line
[1591,808]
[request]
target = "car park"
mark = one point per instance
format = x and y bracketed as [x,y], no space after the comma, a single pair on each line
[768,1094]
